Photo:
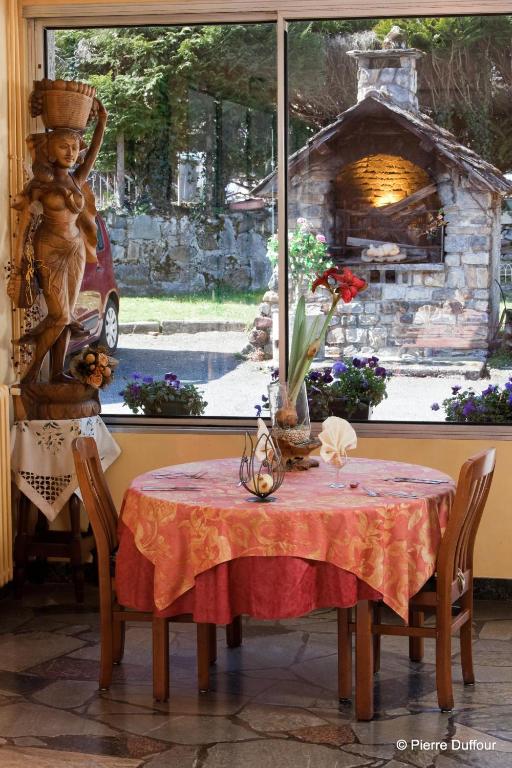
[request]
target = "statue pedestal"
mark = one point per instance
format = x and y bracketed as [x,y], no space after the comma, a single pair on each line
[66,400]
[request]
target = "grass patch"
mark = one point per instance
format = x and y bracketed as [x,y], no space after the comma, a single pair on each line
[221,305]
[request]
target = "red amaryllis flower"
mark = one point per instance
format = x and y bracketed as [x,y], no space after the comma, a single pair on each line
[323,279]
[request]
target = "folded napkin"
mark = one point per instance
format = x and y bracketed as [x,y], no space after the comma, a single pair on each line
[262,443]
[337,437]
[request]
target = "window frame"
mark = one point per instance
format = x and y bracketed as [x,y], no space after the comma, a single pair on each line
[36,19]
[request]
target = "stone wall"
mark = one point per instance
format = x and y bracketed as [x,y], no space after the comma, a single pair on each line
[156,255]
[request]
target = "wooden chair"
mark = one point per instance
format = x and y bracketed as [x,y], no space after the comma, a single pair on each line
[103,517]
[453,584]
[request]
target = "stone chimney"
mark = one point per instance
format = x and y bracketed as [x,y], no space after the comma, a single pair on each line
[392,72]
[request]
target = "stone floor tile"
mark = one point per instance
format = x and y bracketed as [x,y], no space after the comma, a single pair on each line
[426,725]
[21,651]
[20,684]
[487,719]
[73,629]
[181,729]
[280,754]
[466,735]
[270,719]
[177,757]
[66,694]
[335,735]
[384,751]
[496,630]
[492,653]
[26,719]
[297,694]
[21,757]
[13,617]
[29,741]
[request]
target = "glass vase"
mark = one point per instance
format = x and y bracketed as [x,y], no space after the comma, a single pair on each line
[290,420]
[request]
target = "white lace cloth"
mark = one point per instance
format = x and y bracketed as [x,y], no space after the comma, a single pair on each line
[42,460]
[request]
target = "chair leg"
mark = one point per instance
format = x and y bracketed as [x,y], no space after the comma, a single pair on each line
[364,661]
[416,644]
[203,657]
[466,640]
[160,658]
[444,661]
[234,633]
[75,548]
[212,643]
[118,634]
[344,655]
[106,648]
[376,638]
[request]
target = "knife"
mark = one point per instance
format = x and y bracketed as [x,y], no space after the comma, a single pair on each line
[415,480]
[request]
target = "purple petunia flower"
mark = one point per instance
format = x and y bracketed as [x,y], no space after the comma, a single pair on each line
[275,374]
[175,384]
[327,378]
[315,375]
[258,411]
[148,379]
[136,376]
[356,362]
[456,389]
[469,408]
[264,399]
[509,401]
[489,390]
[339,368]
[170,377]
[435,406]
[380,371]
[508,386]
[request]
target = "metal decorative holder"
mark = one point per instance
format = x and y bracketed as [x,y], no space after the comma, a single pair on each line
[261,468]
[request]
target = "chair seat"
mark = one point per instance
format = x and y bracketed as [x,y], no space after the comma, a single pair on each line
[424,601]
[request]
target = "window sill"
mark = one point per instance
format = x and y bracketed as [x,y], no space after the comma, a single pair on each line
[374,429]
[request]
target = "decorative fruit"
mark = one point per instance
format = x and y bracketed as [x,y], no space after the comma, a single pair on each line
[90,358]
[107,372]
[260,483]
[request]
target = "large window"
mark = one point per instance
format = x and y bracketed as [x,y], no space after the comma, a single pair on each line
[399,163]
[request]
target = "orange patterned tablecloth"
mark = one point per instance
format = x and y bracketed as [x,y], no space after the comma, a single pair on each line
[388,542]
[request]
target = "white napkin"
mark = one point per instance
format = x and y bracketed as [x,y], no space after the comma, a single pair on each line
[261,443]
[337,437]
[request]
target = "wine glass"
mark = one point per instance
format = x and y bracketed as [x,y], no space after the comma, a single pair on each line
[338,461]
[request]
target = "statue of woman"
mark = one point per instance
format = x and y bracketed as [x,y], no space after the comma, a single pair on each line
[58,222]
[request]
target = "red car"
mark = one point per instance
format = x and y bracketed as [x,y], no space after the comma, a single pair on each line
[98,303]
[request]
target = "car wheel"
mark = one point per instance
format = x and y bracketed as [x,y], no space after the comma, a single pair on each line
[110,331]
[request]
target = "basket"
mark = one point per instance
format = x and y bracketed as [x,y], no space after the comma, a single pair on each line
[66,109]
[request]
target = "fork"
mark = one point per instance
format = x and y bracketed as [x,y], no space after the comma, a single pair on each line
[398,494]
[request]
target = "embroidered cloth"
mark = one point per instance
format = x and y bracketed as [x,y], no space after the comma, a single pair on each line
[42,461]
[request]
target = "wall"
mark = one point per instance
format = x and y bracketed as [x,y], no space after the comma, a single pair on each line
[182,253]
[5,311]
[142,452]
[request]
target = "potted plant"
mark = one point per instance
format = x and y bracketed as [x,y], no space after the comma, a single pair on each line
[350,388]
[165,397]
[493,405]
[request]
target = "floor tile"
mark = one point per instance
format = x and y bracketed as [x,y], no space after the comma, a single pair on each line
[21,651]
[21,757]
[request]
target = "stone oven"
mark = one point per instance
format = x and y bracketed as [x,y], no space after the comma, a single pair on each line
[384,173]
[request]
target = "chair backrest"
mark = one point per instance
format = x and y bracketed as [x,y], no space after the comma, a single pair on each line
[97,500]
[455,558]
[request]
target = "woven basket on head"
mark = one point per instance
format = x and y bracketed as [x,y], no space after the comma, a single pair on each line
[66,109]
[62,103]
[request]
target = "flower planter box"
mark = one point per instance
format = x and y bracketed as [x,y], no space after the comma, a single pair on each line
[170,410]
[361,413]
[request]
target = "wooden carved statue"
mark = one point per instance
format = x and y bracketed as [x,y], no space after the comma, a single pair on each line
[56,236]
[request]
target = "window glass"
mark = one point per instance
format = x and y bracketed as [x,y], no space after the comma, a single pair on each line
[400,156]
[185,273]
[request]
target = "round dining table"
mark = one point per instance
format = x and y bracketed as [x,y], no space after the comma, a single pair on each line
[192,540]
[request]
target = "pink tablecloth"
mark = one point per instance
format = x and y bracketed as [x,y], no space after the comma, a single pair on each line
[387,542]
[243,586]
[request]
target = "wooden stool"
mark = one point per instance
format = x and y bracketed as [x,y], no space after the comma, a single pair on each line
[45,543]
